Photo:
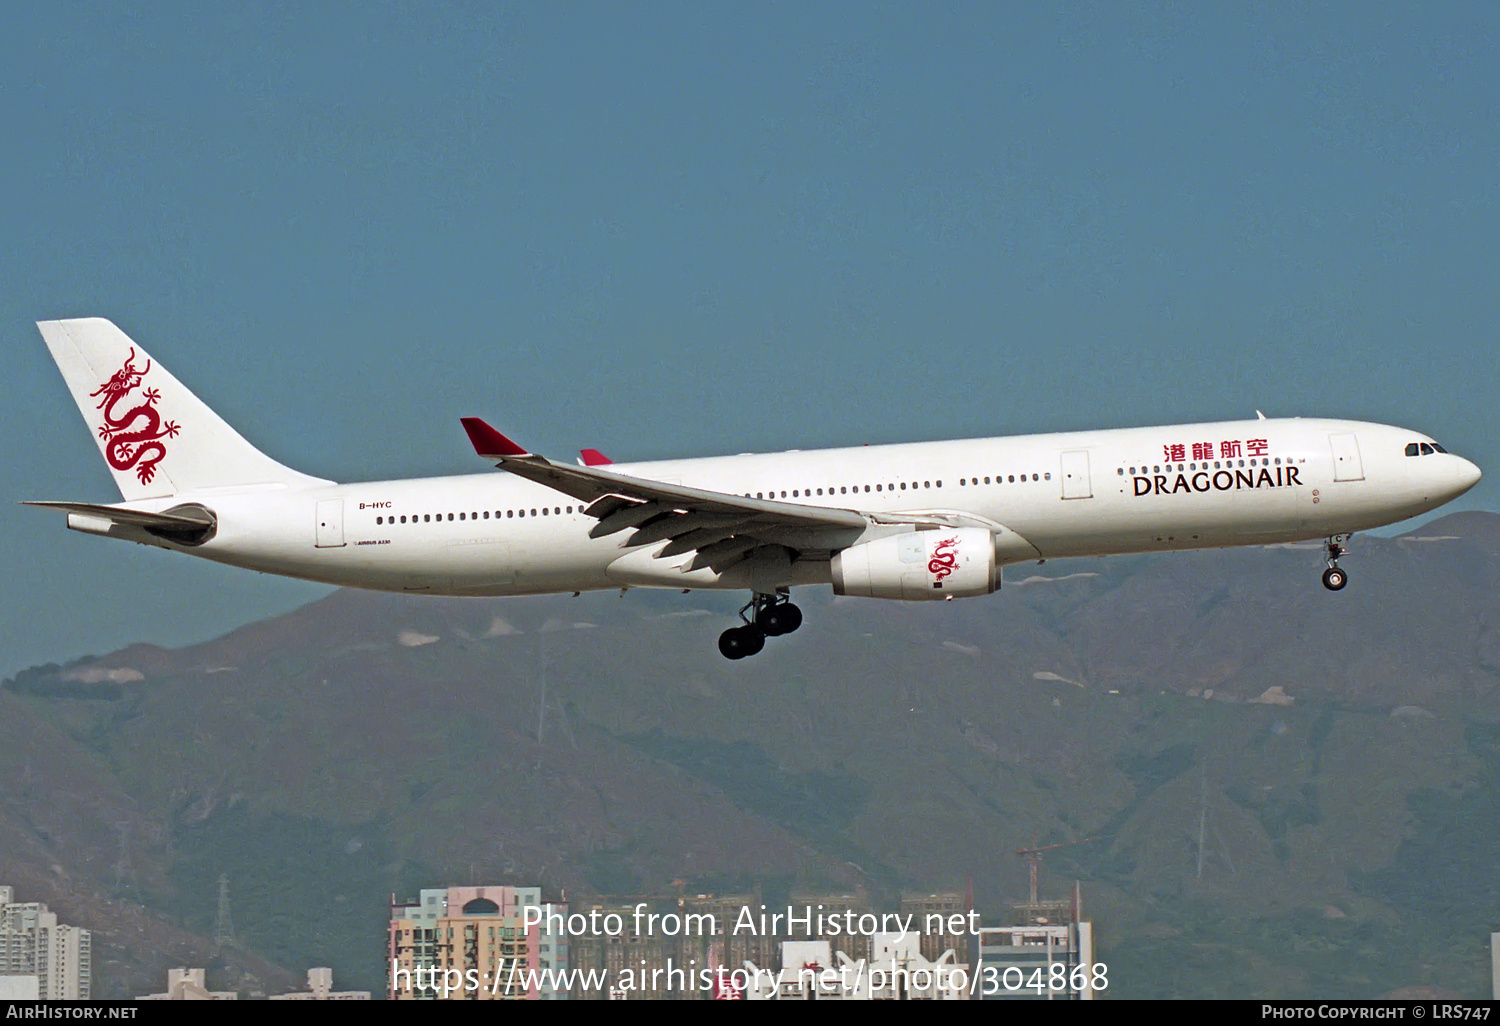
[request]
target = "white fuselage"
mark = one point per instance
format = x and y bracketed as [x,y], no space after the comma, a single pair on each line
[1076,494]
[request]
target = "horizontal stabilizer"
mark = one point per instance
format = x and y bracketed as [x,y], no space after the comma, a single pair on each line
[182,516]
[188,524]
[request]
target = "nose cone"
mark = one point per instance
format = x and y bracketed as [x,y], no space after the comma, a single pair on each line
[1467,475]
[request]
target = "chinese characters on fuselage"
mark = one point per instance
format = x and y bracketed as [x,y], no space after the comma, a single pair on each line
[1227,478]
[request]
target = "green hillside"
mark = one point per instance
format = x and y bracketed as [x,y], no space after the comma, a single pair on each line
[1295,794]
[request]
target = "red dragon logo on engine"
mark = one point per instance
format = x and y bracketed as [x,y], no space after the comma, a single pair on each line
[131,437]
[943,563]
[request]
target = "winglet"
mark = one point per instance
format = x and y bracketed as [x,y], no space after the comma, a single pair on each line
[594,458]
[488,442]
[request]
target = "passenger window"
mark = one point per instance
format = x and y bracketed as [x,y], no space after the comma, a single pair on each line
[1012,479]
[510,513]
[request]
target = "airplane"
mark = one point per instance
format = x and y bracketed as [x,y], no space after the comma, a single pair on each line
[917,521]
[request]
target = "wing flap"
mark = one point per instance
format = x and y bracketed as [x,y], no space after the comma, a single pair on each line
[625,517]
[678,525]
[690,541]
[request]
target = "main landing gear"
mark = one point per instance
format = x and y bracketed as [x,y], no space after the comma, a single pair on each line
[1334,578]
[770,617]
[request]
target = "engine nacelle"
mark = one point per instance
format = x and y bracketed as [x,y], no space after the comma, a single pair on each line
[949,563]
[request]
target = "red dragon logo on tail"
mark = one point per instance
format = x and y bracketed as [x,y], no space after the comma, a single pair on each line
[131,438]
[943,562]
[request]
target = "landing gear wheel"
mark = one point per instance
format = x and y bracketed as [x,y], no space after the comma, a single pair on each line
[739,642]
[782,618]
[755,639]
[765,616]
[1334,579]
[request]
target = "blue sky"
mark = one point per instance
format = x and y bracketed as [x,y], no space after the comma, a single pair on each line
[667,230]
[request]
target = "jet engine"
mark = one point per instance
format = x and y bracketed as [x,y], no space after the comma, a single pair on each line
[948,563]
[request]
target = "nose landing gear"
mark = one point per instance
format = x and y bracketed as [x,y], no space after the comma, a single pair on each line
[770,617]
[1334,578]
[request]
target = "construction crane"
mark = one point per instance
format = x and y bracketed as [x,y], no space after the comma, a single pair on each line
[1033,855]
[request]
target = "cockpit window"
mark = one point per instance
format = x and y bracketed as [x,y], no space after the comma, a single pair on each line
[1439,448]
[1411,448]
[1426,449]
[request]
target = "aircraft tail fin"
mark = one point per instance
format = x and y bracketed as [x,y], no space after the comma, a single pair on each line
[158,438]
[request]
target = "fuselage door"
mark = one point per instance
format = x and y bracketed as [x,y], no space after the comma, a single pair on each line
[1075,475]
[1346,461]
[330,523]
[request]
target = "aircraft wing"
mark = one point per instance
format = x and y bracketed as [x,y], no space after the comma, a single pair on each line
[721,528]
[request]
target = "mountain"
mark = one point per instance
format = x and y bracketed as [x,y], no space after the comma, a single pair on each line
[1294,792]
